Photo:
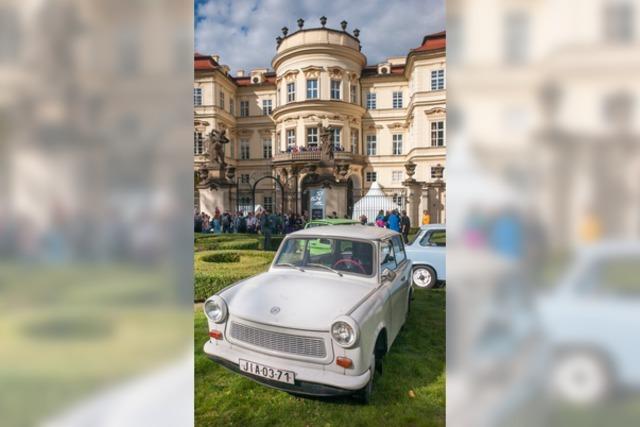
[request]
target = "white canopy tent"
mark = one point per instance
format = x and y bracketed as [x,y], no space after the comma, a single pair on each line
[372,202]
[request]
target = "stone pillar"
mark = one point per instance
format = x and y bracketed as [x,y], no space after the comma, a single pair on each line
[435,200]
[414,195]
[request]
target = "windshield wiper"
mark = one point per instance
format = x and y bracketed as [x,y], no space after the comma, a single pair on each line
[288,264]
[327,267]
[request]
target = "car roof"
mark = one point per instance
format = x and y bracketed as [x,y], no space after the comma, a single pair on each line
[433,226]
[332,221]
[348,231]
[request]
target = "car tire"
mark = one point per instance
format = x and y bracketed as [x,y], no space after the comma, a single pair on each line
[424,277]
[580,378]
[364,395]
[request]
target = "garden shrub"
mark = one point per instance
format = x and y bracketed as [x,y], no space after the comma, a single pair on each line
[211,276]
[221,257]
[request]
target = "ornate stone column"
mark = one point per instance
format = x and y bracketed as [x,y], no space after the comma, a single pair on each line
[414,194]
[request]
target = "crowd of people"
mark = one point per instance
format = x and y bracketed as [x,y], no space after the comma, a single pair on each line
[266,222]
[263,222]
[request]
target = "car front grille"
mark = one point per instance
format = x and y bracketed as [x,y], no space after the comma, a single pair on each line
[279,341]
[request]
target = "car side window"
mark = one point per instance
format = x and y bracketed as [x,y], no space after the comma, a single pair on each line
[434,238]
[387,256]
[398,249]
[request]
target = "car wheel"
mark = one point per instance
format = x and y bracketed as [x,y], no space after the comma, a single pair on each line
[365,394]
[424,277]
[580,378]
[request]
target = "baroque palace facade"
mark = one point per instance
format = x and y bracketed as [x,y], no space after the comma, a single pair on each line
[386,123]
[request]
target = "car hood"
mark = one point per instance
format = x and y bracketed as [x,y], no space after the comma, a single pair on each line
[306,300]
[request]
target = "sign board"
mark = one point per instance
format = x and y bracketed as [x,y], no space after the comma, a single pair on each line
[316,202]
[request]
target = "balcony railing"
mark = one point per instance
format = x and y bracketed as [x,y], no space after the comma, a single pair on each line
[314,155]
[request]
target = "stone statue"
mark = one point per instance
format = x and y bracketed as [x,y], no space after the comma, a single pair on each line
[326,145]
[217,139]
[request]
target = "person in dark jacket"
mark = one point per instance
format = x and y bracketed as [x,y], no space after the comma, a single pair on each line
[405,226]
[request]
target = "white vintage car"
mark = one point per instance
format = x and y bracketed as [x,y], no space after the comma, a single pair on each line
[323,316]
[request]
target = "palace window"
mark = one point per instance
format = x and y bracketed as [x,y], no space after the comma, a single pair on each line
[267,107]
[396,176]
[268,203]
[437,172]
[372,145]
[397,100]
[397,144]
[232,106]
[335,137]
[354,93]
[371,176]
[371,101]
[291,137]
[335,89]
[437,79]
[244,108]
[244,149]
[245,203]
[266,148]
[221,100]
[437,134]
[244,178]
[312,137]
[312,89]
[197,96]
[198,143]
[291,92]
[355,137]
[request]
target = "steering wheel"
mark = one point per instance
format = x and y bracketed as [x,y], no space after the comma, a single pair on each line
[350,262]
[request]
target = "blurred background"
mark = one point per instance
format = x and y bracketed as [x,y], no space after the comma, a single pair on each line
[543,304]
[95,212]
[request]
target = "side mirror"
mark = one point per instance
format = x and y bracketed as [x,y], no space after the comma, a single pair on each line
[387,275]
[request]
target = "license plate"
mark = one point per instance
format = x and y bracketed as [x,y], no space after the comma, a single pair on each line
[267,372]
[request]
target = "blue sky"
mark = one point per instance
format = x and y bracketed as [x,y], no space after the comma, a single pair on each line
[243,32]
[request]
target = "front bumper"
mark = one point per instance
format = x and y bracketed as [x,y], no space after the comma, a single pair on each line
[311,381]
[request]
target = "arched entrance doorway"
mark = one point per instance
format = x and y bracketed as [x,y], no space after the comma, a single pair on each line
[255,185]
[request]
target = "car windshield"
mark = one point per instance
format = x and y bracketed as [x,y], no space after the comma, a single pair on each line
[341,255]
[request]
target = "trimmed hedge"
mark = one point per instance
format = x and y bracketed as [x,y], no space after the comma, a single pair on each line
[210,242]
[211,276]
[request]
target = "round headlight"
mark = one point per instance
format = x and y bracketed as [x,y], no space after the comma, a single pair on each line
[215,309]
[343,333]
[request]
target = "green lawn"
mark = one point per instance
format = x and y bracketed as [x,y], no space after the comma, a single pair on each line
[411,391]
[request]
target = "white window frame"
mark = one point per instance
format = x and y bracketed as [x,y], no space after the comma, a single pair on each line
[355,139]
[232,106]
[197,96]
[397,100]
[267,203]
[291,92]
[267,148]
[438,133]
[267,107]
[336,89]
[244,108]
[221,99]
[397,148]
[245,149]
[198,144]
[372,145]
[336,136]
[312,135]
[354,93]
[437,79]
[313,92]
[291,137]
[371,101]
[396,176]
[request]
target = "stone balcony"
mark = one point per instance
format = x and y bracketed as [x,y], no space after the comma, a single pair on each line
[314,156]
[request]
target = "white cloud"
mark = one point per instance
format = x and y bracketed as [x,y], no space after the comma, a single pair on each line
[388,27]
